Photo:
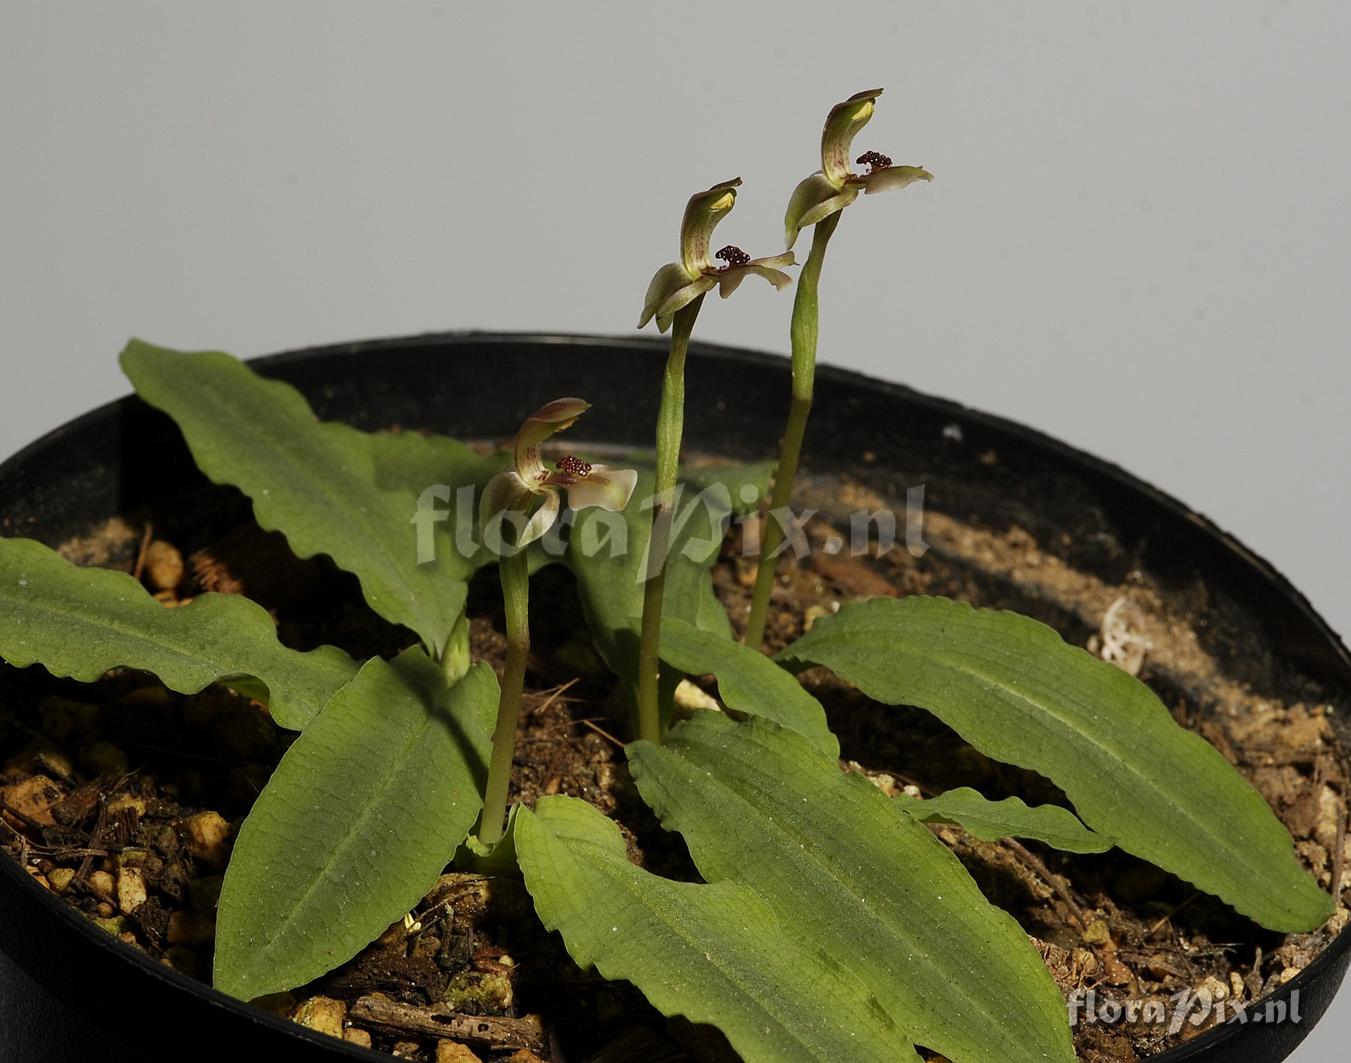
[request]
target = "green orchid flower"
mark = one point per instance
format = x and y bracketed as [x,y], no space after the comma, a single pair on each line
[530,480]
[515,492]
[817,202]
[674,297]
[677,284]
[836,185]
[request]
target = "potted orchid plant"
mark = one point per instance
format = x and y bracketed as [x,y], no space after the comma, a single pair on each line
[821,913]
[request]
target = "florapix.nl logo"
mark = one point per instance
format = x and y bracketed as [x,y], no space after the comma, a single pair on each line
[1198,1008]
[447,518]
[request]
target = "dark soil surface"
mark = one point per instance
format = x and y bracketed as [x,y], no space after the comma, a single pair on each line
[123,798]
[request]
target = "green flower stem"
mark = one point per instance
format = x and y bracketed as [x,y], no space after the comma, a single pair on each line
[515,574]
[803,334]
[670,427]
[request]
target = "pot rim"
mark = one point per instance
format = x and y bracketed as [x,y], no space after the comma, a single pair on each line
[1238,553]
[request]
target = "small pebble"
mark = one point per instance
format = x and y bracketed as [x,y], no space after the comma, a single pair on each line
[59,878]
[114,924]
[1329,818]
[405,1049]
[1114,972]
[134,856]
[690,698]
[163,566]
[357,1036]
[207,836]
[812,615]
[1097,933]
[103,884]
[33,798]
[454,1052]
[132,801]
[323,1014]
[131,892]
[55,762]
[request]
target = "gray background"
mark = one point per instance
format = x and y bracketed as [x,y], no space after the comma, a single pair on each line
[1138,239]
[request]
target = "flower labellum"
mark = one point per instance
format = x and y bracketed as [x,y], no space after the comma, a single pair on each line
[530,479]
[677,284]
[836,185]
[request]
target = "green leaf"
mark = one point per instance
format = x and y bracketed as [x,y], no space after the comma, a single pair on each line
[1009,818]
[748,681]
[852,877]
[81,622]
[361,815]
[327,487]
[1013,689]
[414,461]
[715,954]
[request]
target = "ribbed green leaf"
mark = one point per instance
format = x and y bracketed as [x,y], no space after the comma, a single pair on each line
[81,622]
[361,815]
[851,876]
[414,461]
[748,681]
[318,483]
[715,954]
[1009,818]
[1013,689]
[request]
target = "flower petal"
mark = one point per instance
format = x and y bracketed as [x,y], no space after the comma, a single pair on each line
[729,280]
[665,283]
[682,298]
[809,192]
[893,177]
[535,429]
[824,210]
[604,488]
[842,125]
[504,491]
[542,519]
[702,214]
[786,258]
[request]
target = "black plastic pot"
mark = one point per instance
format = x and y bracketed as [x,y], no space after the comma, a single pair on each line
[69,991]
